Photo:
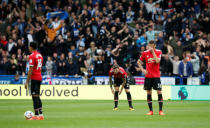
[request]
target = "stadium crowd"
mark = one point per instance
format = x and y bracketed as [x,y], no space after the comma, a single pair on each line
[86,37]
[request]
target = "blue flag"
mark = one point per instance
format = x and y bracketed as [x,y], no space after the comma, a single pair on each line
[62,14]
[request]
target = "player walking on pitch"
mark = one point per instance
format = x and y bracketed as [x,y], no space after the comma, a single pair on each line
[152,58]
[120,78]
[34,79]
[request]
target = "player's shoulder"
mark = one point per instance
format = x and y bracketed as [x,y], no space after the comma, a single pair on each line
[31,55]
[157,50]
[111,70]
[38,54]
[145,51]
[122,70]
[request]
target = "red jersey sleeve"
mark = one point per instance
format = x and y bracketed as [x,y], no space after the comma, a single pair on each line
[159,54]
[123,72]
[31,61]
[110,72]
[142,57]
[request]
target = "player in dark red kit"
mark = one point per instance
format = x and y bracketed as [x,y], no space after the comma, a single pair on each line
[152,58]
[120,78]
[34,79]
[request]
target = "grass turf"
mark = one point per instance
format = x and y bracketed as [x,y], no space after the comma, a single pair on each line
[99,114]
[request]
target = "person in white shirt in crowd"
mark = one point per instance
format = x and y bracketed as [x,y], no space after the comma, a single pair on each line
[196,63]
[129,15]
[150,5]
[56,24]
[151,34]
[175,62]
[49,66]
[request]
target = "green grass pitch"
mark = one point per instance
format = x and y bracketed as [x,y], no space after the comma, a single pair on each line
[99,114]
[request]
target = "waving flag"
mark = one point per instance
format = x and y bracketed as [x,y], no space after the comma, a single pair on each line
[62,14]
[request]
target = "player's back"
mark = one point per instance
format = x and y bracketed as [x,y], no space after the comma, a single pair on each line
[121,74]
[36,60]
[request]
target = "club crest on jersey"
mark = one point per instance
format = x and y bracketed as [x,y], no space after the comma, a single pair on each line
[151,60]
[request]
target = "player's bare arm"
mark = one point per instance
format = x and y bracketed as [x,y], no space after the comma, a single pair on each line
[157,60]
[111,83]
[141,67]
[123,85]
[29,76]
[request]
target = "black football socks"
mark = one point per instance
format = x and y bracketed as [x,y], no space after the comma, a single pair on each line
[40,106]
[116,99]
[36,105]
[149,101]
[129,99]
[160,101]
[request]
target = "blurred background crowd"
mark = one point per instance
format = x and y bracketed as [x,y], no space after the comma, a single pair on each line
[86,37]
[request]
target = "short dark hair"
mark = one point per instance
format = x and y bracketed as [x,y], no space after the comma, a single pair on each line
[152,42]
[33,45]
[115,66]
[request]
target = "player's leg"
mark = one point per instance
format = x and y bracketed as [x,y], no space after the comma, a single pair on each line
[148,88]
[34,97]
[39,100]
[160,102]
[129,98]
[149,101]
[157,86]
[116,96]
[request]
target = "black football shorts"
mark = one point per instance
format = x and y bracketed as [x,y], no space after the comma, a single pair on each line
[35,87]
[154,83]
[119,81]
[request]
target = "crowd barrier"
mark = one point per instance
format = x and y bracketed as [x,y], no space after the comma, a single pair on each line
[97,80]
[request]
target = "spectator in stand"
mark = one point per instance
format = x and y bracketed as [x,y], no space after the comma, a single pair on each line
[195,63]
[51,32]
[49,66]
[61,64]
[141,41]
[72,68]
[151,34]
[175,62]
[92,50]
[149,6]
[185,68]
[3,41]
[12,68]
[99,63]
[97,25]
[4,66]
[166,63]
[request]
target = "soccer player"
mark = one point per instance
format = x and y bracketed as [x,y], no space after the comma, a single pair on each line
[152,58]
[120,78]
[34,79]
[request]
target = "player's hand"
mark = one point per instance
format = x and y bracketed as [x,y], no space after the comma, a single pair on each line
[26,85]
[112,90]
[150,49]
[144,71]
[120,91]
